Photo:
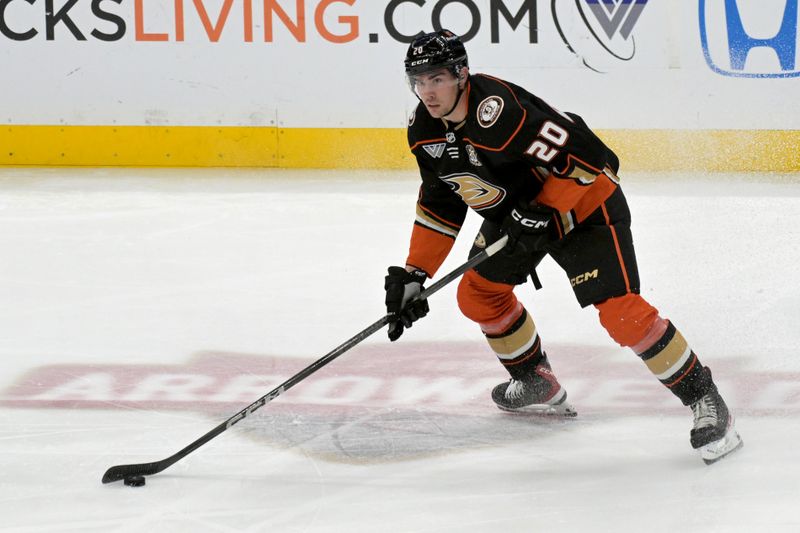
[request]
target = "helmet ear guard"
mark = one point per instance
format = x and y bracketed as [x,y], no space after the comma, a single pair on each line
[458,71]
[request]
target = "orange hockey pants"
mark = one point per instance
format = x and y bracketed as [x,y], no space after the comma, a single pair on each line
[628,319]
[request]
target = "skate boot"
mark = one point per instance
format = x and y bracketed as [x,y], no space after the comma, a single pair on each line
[713,434]
[537,392]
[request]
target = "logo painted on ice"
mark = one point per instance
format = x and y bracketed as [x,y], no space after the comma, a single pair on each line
[597,31]
[383,405]
[452,377]
[731,30]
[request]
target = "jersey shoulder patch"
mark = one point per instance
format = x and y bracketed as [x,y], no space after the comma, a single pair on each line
[489,110]
[496,113]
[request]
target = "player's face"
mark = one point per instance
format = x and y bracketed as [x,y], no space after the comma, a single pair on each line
[438,90]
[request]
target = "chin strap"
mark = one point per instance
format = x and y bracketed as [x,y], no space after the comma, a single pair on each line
[458,98]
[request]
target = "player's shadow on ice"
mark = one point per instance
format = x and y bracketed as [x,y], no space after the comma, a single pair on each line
[395,434]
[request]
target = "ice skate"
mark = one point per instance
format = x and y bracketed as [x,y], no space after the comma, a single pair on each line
[536,393]
[713,434]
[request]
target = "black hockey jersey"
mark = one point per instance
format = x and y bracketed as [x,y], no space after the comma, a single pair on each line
[512,146]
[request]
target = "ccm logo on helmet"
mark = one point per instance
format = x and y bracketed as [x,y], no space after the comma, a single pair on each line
[527,222]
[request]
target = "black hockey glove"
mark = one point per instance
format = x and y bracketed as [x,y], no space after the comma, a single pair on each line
[531,226]
[403,306]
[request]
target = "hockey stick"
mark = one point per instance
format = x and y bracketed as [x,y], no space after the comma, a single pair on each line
[116,473]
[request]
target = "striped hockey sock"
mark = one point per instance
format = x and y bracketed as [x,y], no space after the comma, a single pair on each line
[669,357]
[518,348]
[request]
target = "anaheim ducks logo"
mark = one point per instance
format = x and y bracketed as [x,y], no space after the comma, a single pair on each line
[475,192]
[489,111]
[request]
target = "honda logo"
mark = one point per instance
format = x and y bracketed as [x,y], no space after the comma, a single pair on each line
[731,30]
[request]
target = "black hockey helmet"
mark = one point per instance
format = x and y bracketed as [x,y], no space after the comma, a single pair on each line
[432,51]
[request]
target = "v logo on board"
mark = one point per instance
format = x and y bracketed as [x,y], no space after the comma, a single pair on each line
[617,16]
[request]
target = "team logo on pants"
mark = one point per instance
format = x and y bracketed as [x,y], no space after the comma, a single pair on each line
[475,192]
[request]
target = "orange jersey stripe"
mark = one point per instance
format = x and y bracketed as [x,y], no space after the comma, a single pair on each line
[428,249]
[565,194]
[562,194]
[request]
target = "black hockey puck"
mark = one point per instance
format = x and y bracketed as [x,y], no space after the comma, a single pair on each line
[134,481]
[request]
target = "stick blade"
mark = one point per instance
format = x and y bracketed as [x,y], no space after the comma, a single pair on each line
[119,472]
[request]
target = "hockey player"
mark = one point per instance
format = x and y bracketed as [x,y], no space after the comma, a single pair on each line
[545,179]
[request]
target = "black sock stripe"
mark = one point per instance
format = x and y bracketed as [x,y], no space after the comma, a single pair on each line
[660,344]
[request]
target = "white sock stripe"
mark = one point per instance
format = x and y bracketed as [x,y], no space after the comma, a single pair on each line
[677,366]
[521,351]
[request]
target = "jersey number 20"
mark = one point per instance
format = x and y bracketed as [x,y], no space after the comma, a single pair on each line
[551,135]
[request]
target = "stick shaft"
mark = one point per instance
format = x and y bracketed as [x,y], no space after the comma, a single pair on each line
[115,473]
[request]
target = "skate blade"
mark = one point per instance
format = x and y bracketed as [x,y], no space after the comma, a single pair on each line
[558,407]
[562,410]
[719,449]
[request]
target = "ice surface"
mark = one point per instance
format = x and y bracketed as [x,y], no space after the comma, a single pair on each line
[140,308]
